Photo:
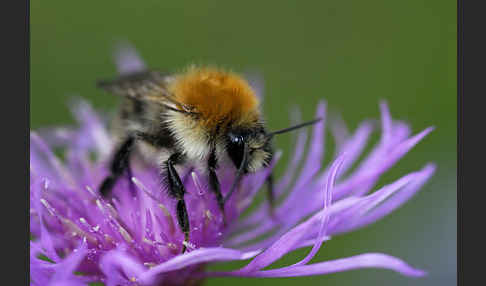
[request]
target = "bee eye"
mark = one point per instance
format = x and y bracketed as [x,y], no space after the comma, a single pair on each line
[236,148]
[235,139]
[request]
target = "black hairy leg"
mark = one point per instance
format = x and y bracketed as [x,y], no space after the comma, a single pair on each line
[119,163]
[177,190]
[270,194]
[214,182]
[129,178]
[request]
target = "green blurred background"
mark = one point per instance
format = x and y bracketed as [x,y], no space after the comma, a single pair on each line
[350,53]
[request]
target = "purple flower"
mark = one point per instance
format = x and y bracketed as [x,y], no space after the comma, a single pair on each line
[134,239]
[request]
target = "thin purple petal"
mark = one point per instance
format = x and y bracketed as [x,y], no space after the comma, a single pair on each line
[399,198]
[115,262]
[127,59]
[369,260]
[64,274]
[195,257]
[325,216]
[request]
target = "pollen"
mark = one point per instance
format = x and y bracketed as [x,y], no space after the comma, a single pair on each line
[125,234]
[215,94]
[208,215]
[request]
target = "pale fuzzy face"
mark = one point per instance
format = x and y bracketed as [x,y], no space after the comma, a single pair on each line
[258,155]
[257,160]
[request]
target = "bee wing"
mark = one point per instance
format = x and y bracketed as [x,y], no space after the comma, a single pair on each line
[139,85]
[144,86]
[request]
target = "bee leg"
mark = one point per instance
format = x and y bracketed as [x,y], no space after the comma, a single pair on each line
[177,190]
[119,164]
[214,183]
[129,177]
[270,195]
[215,187]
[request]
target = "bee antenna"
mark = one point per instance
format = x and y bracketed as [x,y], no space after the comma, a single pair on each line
[292,128]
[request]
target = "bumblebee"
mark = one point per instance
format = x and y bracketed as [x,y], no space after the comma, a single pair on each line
[204,116]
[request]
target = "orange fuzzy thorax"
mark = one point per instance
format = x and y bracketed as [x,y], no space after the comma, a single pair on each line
[217,95]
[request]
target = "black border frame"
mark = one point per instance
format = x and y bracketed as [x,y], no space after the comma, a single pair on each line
[471,74]
[15,124]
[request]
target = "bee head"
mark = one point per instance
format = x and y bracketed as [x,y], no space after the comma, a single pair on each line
[252,143]
[250,148]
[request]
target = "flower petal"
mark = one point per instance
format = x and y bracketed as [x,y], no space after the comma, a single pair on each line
[398,199]
[44,163]
[369,260]
[114,262]
[255,79]
[197,256]
[93,134]
[355,145]
[127,59]
[315,155]
[46,238]
[373,170]
[40,270]
[339,130]
[386,122]
[64,274]
[325,215]
[386,198]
